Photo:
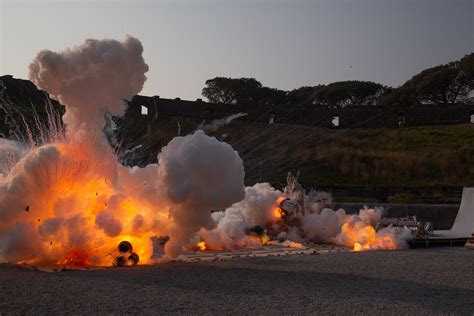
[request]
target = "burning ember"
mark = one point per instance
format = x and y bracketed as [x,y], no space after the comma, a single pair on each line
[71,202]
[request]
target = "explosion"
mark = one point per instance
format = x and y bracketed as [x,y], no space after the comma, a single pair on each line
[70,201]
[277,211]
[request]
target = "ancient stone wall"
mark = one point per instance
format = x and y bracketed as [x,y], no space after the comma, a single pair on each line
[356,116]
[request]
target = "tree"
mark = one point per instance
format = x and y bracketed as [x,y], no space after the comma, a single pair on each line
[270,96]
[231,91]
[347,93]
[467,64]
[444,84]
[303,95]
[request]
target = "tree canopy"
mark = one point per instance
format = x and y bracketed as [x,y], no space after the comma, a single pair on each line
[348,93]
[230,90]
[444,84]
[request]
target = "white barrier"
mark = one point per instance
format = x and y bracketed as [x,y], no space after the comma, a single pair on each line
[463,226]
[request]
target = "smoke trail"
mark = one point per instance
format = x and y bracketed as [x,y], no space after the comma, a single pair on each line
[216,124]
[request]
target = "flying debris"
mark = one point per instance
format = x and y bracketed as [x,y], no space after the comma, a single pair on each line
[418,229]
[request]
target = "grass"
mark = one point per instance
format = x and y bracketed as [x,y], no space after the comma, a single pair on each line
[411,157]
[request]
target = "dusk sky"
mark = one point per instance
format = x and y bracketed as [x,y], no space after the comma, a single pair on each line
[283,44]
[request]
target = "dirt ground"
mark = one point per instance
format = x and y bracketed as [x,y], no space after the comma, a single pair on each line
[421,281]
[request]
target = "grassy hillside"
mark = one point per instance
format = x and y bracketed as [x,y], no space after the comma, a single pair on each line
[424,156]
[434,157]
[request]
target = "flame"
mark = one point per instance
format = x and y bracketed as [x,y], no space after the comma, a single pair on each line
[77,257]
[288,243]
[277,211]
[264,239]
[363,237]
[74,189]
[357,247]
[201,246]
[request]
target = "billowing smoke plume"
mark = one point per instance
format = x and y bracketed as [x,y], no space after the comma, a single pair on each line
[70,201]
[337,227]
[198,174]
[233,223]
[318,225]
[90,77]
[10,153]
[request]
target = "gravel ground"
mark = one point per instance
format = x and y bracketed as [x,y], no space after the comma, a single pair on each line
[421,281]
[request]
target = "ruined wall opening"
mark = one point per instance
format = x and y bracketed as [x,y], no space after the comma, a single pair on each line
[271,118]
[401,119]
[143,110]
[335,121]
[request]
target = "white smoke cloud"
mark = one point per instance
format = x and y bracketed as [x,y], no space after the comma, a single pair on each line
[197,174]
[10,153]
[27,183]
[232,224]
[68,197]
[71,202]
[319,226]
[18,243]
[87,78]
[257,207]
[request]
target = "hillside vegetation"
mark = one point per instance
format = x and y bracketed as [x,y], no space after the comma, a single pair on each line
[432,157]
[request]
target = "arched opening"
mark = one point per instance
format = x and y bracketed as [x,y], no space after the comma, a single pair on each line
[401,119]
[335,121]
[271,118]
[471,117]
[144,110]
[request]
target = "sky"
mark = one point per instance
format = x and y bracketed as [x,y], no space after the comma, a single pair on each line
[284,44]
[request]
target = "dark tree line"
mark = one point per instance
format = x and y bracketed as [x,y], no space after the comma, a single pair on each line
[444,84]
[452,83]
[240,91]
